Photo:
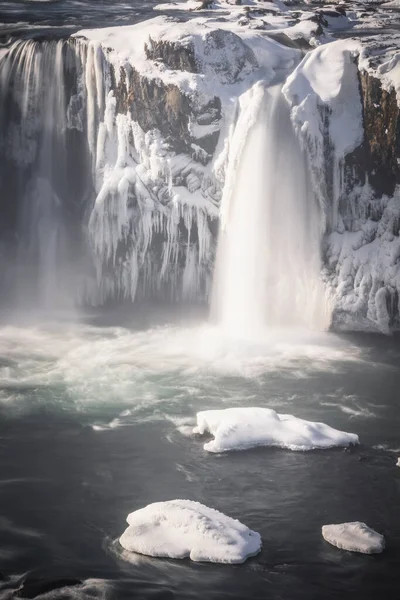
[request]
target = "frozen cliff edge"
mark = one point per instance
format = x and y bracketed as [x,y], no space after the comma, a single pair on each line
[344,97]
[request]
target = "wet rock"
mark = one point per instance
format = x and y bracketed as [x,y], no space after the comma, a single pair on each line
[178,56]
[379,155]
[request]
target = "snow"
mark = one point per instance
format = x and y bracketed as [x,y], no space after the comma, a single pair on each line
[326,83]
[241,428]
[354,537]
[328,76]
[380,57]
[184,528]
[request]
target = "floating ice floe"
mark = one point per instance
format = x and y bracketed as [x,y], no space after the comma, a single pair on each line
[184,528]
[355,537]
[241,428]
[398,462]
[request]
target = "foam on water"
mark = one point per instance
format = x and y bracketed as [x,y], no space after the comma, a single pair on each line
[142,373]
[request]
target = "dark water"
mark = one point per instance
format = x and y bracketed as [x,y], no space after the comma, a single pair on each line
[67,488]
[60,17]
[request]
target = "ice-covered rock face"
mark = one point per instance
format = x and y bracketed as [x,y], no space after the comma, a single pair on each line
[344,99]
[183,528]
[241,428]
[354,537]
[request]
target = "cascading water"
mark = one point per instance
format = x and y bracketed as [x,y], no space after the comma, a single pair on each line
[38,173]
[97,206]
[268,259]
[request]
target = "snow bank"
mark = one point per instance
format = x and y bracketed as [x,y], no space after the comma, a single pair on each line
[183,528]
[328,76]
[241,428]
[354,537]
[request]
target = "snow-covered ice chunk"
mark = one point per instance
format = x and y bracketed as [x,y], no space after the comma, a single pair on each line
[355,537]
[398,462]
[240,428]
[184,528]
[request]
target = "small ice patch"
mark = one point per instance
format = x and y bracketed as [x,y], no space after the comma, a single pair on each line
[240,428]
[183,528]
[398,462]
[354,537]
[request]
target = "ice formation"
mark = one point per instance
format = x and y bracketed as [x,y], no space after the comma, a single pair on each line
[326,109]
[361,247]
[241,428]
[354,537]
[183,528]
[151,222]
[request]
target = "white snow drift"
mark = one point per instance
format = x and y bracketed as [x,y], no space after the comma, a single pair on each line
[355,537]
[241,428]
[184,528]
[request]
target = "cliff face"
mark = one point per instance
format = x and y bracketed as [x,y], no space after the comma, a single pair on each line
[362,253]
[154,105]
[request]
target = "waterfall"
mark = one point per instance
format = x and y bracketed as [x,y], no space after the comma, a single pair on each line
[268,259]
[102,209]
[36,174]
[98,208]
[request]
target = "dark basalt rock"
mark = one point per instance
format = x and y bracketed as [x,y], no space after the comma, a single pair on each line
[177,56]
[379,155]
[155,105]
[382,132]
[34,586]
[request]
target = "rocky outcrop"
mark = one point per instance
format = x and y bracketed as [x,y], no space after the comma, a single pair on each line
[382,133]
[154,105]
[174,55]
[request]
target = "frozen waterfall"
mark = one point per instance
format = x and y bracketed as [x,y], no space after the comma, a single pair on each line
[268,258]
